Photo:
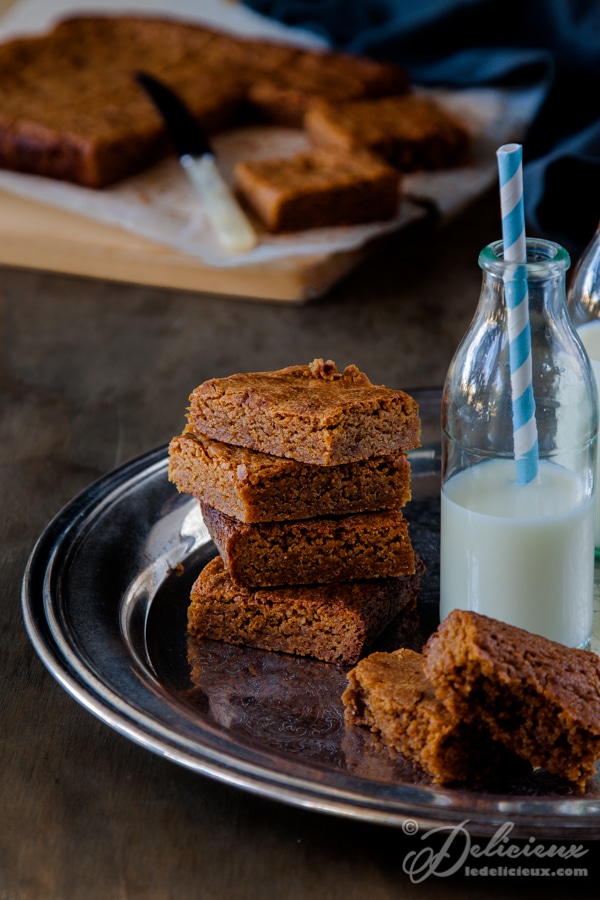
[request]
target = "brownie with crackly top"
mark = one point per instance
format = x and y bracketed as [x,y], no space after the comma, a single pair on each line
[314,414]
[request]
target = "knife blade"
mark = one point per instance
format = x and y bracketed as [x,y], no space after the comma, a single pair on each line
[230,224]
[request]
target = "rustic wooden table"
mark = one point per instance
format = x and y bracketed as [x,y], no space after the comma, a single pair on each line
[93,373]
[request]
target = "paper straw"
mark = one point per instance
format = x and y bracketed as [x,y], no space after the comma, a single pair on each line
[510,170]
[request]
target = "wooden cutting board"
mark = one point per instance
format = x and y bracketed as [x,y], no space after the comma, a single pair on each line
[38,236]
[34,235]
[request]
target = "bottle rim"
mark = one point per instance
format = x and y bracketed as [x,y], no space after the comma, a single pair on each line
[544,258]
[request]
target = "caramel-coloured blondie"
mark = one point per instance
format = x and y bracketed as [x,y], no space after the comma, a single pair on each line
[538,697]
[70,107]
[307,551]
[321,188]
[314,74]
[332,622]
[390,694]
[410,132]
[257,487]
[313,414]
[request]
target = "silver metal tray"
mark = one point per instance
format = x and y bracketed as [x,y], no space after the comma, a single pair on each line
[105,596]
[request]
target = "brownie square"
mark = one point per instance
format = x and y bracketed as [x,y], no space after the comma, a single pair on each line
[258,487]
[410,132]
[318,189]
[538,697]
[332,622]
[313,414]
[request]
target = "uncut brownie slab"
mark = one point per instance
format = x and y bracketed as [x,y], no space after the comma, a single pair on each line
[390,694]
[540,698]
[313,414]
[332,622]
[307,551]
[321,188]
[257,487]
[71,109]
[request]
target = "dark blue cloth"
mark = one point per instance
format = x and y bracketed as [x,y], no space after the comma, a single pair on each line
[458,43]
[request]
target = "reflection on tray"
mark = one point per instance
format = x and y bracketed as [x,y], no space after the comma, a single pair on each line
[293,705]
[290,703]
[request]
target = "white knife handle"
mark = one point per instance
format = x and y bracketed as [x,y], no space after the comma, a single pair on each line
[231,225]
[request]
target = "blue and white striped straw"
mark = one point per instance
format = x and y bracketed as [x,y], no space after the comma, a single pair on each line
[510,170]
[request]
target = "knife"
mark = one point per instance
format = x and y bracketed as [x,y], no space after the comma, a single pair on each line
[229,222]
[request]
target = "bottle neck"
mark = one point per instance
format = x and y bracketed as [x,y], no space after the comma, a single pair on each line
[541,279]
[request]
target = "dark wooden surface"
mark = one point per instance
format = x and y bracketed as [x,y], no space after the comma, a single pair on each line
[92,374]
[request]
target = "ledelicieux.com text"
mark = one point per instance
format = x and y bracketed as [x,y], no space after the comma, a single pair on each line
[526,872]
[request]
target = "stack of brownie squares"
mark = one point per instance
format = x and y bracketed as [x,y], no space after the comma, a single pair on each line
[302,474]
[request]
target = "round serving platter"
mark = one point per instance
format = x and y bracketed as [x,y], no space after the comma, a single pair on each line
[105,595]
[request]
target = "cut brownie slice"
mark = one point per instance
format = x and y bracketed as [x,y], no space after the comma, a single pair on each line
[540,698]
[318,189]
[410,132]
[257,487]
[313,414]
[307,551]
[390,694]
[332,622]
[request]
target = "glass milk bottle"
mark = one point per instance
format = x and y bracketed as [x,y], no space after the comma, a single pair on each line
[521,553]
[584,307]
